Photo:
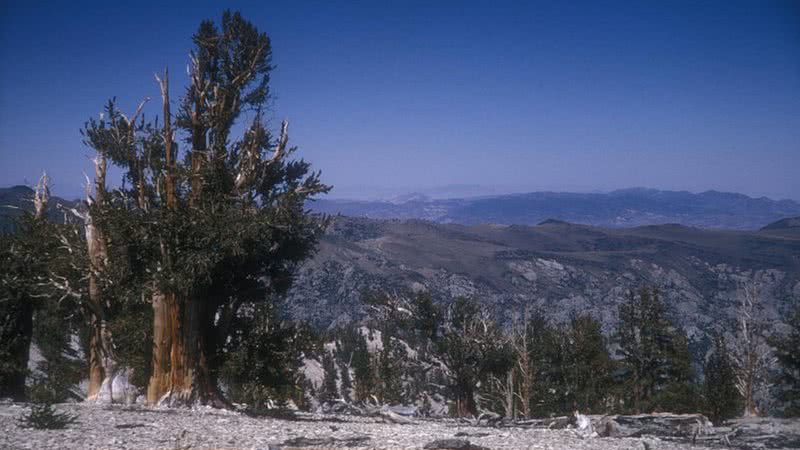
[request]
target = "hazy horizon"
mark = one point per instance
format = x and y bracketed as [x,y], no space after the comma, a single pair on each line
[442,192]
[536,96]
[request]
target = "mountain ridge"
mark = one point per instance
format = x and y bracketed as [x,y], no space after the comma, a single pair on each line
[620,208]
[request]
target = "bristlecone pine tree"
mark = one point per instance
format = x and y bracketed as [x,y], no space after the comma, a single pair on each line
[751,355]
[472,348]
[202,228]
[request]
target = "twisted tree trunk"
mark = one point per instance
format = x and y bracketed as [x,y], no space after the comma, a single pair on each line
[95,359]
[162,347]
[191,380]
[101,356]
[163,302]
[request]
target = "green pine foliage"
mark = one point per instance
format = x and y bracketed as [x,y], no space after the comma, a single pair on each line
[654,356]
[722,399]
[43,416]
[588,366]
[264,357]
[680,392]
[133,339]
[571,366]
[787,352]
[545,345]
[427,317]
[363,370]
[330,389]
[61,369]
[472,347]
[32,310]
[16,319]
[391,365]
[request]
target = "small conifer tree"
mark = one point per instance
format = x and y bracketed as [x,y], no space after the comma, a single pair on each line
[722,399]
[654,355]
[330,390]
[362,370]
[788,355]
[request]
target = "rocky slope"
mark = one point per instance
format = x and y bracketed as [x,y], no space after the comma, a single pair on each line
[17,198]
[561,267]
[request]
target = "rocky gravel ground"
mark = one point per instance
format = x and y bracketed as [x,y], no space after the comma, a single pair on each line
[118,427]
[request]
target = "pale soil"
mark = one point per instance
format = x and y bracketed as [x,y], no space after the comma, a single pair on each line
[103,427]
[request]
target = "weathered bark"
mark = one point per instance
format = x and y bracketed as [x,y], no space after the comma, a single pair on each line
[190,380]
[40,197]
[199,129]
[510,410]
[95,361]
[656,424]
[752,357]
[506,393]
[520,343]
[159,383]
[169,166]
[138,160]
[162,346]
[465,402]
[101,358]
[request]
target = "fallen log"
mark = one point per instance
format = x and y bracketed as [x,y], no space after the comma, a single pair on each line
[656,424]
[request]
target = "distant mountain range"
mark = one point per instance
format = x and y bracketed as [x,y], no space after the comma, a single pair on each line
[621,208]
[15,199]
[617,209]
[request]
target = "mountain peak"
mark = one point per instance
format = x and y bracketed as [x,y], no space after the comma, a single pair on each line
[553,222]
[789,222]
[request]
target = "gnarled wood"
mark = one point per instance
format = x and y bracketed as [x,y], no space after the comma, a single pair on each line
[102,362]
[163,303]
[159,383]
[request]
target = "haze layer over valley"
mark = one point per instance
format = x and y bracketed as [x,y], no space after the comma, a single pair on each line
[621,208]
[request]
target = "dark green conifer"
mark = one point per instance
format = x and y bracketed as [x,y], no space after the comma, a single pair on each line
[787,352]
[588,367]
[654,355]
[722,398]
[363,371]
[30,310]
[391,363]
[330,390]
[473,349]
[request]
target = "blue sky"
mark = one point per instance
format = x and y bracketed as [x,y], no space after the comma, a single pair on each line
[402,96]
